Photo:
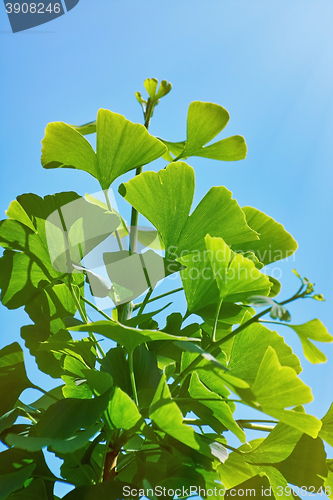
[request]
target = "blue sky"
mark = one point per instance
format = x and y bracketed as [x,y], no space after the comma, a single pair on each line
[269,63]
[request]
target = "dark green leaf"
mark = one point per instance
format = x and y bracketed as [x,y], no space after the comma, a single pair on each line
[13,377]
[14,481]
[35,491]
[65,417]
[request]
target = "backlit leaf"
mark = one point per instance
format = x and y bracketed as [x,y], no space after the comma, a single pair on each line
[277,387]
[121,146]
[274,243]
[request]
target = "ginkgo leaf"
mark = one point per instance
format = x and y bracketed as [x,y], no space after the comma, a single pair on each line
[219,408]
[252,343]
[236,276]
[274,242]
[205,121]
[165,413]
[13,377]
[121,146]
[171,192]
[220,274]
[277,387]
[316,331]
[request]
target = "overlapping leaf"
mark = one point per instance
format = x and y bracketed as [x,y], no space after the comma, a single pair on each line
[252,343]
[219,274]
[277,387]
[167,416]
[274,241]
[170,194]
[219,408]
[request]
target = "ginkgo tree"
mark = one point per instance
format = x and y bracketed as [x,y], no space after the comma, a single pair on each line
[141,408]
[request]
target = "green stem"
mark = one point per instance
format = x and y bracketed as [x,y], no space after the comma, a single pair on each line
[131,368]
[135,214]
[134,223]
[273,322]
[136,306]
[103,460]
[145,302]
[256,427]
[108,202]
[189,400]
[260,421]
[96,309]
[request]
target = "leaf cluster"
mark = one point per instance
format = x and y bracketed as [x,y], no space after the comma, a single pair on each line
[155,408]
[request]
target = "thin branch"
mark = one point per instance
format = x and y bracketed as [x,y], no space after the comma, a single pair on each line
[136,306]
[96,308]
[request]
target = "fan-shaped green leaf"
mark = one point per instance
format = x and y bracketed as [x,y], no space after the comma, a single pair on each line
[220,409]
[65,417]
[13,377]
[249,348]
[220,274]
[277,387]
[121,146]
[63,146]
[167,416]
[204,121]
[274,242]
[170,192]
[313,330]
